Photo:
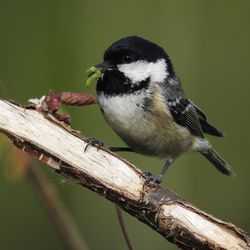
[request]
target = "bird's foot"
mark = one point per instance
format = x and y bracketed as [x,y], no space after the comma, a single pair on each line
[152,180]
[92,141]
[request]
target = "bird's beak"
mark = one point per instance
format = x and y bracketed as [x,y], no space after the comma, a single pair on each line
[104,66]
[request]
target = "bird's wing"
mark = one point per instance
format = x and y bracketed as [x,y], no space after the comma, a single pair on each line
[185,114]
[206,127]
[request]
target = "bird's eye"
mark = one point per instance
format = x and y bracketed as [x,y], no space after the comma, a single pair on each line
[127,59]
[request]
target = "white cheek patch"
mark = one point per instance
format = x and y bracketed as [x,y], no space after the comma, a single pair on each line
[141,70]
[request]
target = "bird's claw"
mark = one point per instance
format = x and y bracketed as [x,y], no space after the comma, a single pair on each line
[92,141]
[151,180]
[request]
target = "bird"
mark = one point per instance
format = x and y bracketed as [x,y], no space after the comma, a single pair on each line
[142,99]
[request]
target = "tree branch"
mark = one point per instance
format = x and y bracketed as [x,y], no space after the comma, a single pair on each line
[42,136]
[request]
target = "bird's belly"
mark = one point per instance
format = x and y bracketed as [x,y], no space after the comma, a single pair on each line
[144,131]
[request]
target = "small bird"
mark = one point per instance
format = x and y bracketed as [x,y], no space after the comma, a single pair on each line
[142,99]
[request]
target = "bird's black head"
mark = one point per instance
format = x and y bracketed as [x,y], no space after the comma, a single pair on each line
[133,48]
[130,64]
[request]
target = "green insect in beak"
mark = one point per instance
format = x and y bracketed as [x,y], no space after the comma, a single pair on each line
[93,74]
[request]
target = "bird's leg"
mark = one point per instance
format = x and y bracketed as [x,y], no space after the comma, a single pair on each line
[166,166]
[121,149]
[157,179]
[91,141]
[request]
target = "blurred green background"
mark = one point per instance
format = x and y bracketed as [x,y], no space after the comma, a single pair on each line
[48,45]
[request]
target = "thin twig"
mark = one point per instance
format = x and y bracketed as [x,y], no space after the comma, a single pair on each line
[56,210]
[123,227]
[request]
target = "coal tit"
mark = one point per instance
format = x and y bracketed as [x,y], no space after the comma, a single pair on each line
[142,99]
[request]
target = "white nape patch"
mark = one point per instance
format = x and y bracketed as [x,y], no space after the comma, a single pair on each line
[141,70]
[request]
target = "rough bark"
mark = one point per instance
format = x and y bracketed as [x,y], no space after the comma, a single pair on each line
[40,135]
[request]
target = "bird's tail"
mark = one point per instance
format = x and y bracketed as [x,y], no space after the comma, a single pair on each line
[218,162]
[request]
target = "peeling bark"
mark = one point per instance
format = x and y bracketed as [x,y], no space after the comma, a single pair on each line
[39,134]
